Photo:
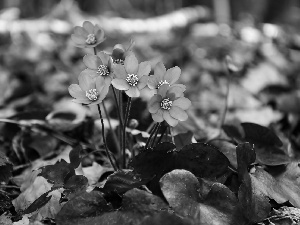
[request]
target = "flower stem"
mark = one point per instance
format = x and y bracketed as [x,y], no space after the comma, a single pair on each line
[111,129]
[226,103]
[151,134]
[104,140]
[155,136]
[124,131]
[162,133]
[118,108]
[95,50]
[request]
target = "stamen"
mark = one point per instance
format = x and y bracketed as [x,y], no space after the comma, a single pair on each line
[103,70]
[118,61]
[166,104]
[132,79]
[162,82]
[92,94]
[91,39]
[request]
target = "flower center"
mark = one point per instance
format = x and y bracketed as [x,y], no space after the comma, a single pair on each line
[91,39]
[162,82]
[119,61]
[132,79]
[166,104]
[92,94]
[103,70]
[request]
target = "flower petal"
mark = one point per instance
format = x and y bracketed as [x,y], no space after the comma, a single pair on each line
[78,39]
[162,90]
[104,58]
[154,103]
[172,75]
[118,52]
[133,92]
[182,86]
[169,119]
[107,81]
[144,69]
[152,82]
[82,101]
[120,84]
[85,81]
[99,36]
[88,26]
[158,116]
[119,71]
[183,103]
[131,64]
[159,71]
[178,114]
[154,107]
[76,92]
[155,98]
[142,82]
[92,61]
[92,73]
[100,83]
[79,31]
[174,92]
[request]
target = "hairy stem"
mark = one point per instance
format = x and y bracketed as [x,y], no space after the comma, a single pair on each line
[226,104]
[151,135]
[155,136]
[104,140]
[124,130]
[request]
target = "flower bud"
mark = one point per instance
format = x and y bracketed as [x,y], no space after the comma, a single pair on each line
[133,123]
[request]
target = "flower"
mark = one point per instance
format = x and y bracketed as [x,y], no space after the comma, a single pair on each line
[162,76]
[119,53]
[169,105]
[132,77]
[87,36]
[90,91]
[99,65]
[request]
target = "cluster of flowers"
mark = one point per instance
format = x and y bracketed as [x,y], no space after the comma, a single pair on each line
[122,70]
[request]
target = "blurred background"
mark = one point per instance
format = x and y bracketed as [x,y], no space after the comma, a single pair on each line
[38,60]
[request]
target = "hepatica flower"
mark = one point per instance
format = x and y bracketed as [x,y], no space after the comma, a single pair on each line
[162,76]
[99,65]
[90,91]
[132,77]
[169,104]
[87,36]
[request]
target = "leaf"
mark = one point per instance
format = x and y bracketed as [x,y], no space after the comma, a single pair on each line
[260,135]
[220,206]
[38,203]
[180,189]
[37,188]
[234,131]
[5,202]
[201,159]
[254,202]
[74,155]
[76,183]
[142,203]
[122,181]
[245,156]
[57,173]
[42,143]
[165,218]
[137,205]
[285,216]
[5,168]
[183,139]
[82,209]
[280,187]
[5,220]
